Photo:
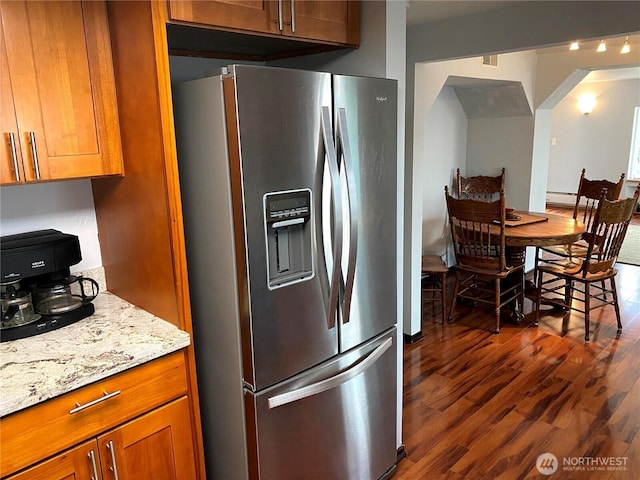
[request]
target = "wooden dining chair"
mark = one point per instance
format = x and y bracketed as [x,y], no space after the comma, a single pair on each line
[480,187]
[576,282]
[587,199]
[434,282]
[478,234]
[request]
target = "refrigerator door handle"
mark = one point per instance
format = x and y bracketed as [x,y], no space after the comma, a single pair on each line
[354,212]
[331,382]
[330,151]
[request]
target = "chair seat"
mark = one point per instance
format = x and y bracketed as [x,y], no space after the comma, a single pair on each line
[573,270]
[576,249]
[491,273]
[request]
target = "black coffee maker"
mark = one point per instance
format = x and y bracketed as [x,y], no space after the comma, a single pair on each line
[37,291]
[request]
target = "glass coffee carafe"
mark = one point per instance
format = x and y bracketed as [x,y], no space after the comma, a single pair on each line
[65,295]
[17,306]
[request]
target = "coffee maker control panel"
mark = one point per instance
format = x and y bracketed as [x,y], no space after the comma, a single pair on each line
[35,253]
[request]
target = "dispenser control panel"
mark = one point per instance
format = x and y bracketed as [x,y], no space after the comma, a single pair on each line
[288,237]
[288,205]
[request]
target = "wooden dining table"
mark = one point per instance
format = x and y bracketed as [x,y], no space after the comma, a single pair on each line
[533,229]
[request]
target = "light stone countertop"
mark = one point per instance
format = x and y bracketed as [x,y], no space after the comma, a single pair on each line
[118,336]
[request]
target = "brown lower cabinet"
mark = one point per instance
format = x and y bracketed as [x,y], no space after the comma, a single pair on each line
[156,445]
[133,425]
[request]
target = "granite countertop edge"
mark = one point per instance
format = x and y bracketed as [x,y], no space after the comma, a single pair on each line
[117,337]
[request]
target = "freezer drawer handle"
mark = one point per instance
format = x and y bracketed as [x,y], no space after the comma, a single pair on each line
[332,382]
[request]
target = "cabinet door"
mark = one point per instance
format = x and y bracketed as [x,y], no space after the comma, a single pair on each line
[10,156]
[61,73]
[329,21]
[157,445]
[79,463]
[253,15]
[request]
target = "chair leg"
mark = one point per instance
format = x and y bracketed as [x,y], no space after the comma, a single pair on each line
[497,300]
[455,294]
[568,287]
[538,298]
[587,307]
[443,292]
[614,292]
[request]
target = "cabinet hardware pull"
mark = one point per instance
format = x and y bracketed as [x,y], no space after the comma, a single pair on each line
[279,20]
[106,396]
[34,152]
[293,17]
[14,155]
[113,467]
[92,456]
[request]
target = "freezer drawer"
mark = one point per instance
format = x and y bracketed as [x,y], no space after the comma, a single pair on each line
[334,422]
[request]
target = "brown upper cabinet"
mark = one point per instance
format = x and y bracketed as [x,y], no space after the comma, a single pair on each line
[59,115]
[332,22]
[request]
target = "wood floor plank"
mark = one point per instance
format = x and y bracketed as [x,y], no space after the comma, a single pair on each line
[482,406]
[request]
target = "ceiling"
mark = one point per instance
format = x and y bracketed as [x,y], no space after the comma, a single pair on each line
[425,11]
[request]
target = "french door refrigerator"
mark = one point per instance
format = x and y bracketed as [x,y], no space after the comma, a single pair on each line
[289,193]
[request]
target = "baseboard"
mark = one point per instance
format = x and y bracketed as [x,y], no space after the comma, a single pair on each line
[416,337]
[402,453]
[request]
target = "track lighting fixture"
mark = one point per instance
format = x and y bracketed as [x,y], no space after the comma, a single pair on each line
[626,48]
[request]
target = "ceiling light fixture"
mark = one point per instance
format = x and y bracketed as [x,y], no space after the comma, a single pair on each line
[626,48]
[574,46]
[602,47]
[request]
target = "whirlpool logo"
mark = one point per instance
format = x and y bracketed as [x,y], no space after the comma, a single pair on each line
[547,463]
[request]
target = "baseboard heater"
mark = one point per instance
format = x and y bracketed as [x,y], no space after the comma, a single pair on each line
[561,198]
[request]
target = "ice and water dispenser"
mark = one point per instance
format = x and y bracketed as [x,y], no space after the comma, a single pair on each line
[289,237]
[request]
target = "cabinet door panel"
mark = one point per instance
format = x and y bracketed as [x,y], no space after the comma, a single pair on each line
[10,168]
[333,21]
[74,464]
[254,15]
[157,445]
[62,78]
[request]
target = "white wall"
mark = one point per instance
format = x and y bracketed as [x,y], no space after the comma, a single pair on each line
[496,148]
[445,132]
[65,206]
[599,142]
[494,143]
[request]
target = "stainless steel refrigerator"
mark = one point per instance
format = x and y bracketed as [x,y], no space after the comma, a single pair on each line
[288,180]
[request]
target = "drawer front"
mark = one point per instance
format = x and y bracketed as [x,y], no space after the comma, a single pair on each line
[45,429]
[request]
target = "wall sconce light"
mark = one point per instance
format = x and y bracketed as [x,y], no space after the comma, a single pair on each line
[574,46]
[602,47]
[586,102]
[626,48]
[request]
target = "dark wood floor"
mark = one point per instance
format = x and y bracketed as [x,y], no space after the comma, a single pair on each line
[484,406]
